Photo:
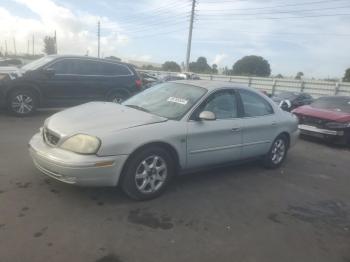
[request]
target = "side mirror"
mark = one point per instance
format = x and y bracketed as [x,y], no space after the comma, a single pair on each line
[49,72]
[285,105]
[207,116]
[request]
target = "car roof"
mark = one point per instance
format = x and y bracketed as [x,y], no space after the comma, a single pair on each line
[89,58]
[213,85]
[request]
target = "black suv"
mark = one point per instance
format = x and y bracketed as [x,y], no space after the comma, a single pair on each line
[56,81]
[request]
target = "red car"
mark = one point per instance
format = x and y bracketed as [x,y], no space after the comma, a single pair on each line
[326,117]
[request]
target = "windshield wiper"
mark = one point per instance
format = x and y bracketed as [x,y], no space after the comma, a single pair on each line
[138,108]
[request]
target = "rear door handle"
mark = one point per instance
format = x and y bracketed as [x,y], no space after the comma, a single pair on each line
[274,124]
[235,129]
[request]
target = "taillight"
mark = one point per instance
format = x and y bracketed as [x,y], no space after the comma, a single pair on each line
[138,83]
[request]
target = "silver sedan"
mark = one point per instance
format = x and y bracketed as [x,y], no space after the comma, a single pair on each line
[168,129]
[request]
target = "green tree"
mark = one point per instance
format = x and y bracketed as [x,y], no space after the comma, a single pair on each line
[171,66]
[279,76]
[299,75]
[214,68]
[347,75]
[200,66]
[252,66]
[50,45]
[227,71]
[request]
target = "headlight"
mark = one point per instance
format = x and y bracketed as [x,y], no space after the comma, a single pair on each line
[82,144]
[338,125]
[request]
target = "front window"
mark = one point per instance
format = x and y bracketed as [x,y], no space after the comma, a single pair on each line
[37,63]
[254,105]
[223,104]
[340,104]
[170,100]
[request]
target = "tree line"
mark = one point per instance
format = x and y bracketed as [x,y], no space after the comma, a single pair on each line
[247,66]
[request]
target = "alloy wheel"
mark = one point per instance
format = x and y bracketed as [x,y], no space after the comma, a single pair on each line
[151,174]
[22,104]
[117,100]
[278,151]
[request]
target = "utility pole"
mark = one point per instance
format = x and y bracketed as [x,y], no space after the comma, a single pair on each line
[28,47]
[189,42]
[14,46]
[33,45]
[56,43]
[98,38]
[6,48]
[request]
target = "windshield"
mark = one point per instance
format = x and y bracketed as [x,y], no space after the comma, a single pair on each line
[341,104]
[170,100]
[287,95]
[37,63]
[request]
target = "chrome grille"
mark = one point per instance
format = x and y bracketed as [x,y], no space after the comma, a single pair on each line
[50,137]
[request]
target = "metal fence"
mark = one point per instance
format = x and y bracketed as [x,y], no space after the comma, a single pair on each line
[272,85]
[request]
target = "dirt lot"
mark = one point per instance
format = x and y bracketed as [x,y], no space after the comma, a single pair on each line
[300,212]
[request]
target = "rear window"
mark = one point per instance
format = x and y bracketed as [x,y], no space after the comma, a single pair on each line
[114,69]
[341,104]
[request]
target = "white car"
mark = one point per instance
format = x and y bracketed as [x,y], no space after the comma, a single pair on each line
[167,129]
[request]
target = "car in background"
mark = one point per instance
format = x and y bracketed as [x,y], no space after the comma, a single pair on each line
[174,126]
[327,118]
[148,80]
[56,81]
[292,99]
[10,62]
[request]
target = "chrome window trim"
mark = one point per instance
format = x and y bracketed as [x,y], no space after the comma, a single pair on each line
[86,59]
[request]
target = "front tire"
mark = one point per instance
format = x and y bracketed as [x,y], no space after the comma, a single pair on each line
[22,103]
[148,173]
[277,153]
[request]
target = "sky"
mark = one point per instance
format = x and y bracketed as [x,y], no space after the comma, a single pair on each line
[311,36]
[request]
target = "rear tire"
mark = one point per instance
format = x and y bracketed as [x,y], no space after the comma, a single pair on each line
[148,173]
[22,103]
[277,153]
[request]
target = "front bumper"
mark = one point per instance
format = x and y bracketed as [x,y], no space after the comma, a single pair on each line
[319,132]
[72,168]
[294,138]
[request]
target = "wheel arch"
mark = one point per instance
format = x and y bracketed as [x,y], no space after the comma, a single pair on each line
[168,147]
[287,135]
[118,90]
[31,88]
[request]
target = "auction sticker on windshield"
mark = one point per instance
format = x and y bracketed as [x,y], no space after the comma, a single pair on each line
[177,100]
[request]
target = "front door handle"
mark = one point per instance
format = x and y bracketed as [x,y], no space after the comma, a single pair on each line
[235,129]
[274,123]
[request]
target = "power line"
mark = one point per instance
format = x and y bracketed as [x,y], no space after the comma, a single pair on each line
[147,27]
[285,33]
[156,21]
[275,18]
[276,6]
[159,34]
[280,12]
[153,12]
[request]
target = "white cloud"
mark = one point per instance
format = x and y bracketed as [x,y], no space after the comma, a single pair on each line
[76,31]
[219,58]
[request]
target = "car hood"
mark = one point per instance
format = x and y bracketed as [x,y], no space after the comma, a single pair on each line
[98,118]
[327,114]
